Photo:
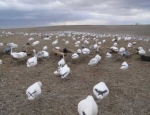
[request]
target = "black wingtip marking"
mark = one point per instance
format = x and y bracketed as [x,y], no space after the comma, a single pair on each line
[31,94]
[83,113]
[100,92]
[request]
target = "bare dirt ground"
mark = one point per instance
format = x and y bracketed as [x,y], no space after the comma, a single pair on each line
[129,89]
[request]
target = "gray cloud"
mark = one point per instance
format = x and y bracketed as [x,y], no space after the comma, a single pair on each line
[27,13]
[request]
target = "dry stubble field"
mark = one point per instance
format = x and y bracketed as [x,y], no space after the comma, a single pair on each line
[129,89]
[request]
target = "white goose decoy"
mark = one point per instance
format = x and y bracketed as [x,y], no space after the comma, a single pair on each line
[104,41]
[40,54]
[57,48]
[64,71]
[62,62]
[114,48]
[129,45]
[119,38]
[30,39]
[35,43]
[100,90]
[34,91]
[108,55]
[63,40]
[98,57]
[46,54]
[77,42]
[67,42]
[47,38]
[113,40]
[94,60]
[134,43]
[1,44]
[12,45]
[45,48]
[115,44]
[122,50]
[86,42]
[55,42]
[74,39]
[32,61]
[76,45]
[79,51]
[142,52]
[127,38]
[19,55]
[75,56]
[99,43]
[85,51]
[140,48]
[88,106]
[124,66]
[1,62]
[95,45]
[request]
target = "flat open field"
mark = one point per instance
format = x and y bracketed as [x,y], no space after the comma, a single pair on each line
[129,89]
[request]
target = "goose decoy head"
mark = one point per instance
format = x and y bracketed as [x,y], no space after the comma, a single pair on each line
[65,50]
[27,43]
[83,46]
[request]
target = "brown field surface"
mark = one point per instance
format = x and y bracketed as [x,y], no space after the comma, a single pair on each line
[129,89]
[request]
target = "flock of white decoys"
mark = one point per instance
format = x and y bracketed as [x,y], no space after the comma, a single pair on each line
[87,106]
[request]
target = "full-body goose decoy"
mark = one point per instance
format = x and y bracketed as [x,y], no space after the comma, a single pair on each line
[124,66]
[99,43]
[108,55]
[94,46]
[88,106]
[46,54]
[42,54]
[34,91]
[45,48]
[100,90]
[64,71]
[67,42]
[1,62]
[12,45]
[104,41]
[61,63]
[79,51]
[115,44]
[57,48]
[30,39]
[85,51]
[18,55]
[94,61]
[1,44]
[55,42]
[35,43]
[75,56]
[32,61]
[114,49]
[142,52]
[121,50]
[129,45]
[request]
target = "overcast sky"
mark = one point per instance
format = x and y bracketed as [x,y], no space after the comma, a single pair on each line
[31,13]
